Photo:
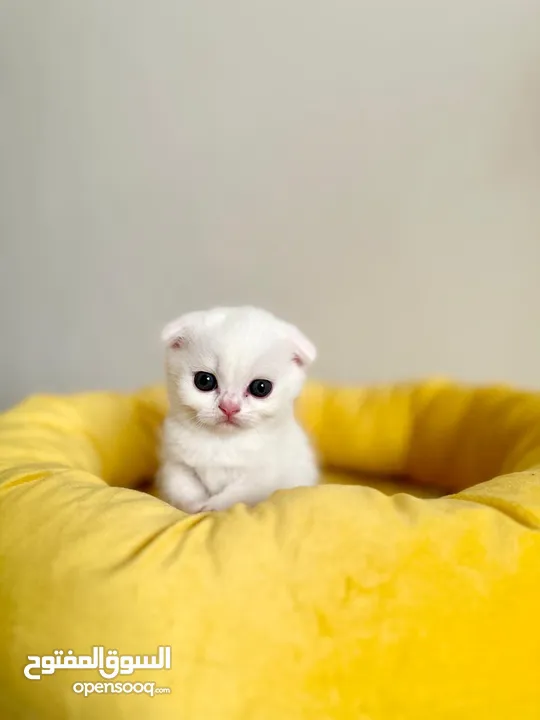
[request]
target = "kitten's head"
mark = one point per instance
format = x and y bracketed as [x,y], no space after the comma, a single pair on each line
[234,367]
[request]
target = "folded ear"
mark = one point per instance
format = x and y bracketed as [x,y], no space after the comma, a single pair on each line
[305,351]
[174,333]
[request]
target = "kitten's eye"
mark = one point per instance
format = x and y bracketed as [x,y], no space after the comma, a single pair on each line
[204,381]
[260,388]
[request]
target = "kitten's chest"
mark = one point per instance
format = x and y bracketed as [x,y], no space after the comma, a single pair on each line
[219,462]
[216,478]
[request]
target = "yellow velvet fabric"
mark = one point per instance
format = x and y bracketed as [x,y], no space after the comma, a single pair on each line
[339,602]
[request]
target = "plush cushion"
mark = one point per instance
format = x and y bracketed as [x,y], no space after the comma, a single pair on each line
[339,602]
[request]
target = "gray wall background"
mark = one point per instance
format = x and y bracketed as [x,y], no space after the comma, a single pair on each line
[370,170]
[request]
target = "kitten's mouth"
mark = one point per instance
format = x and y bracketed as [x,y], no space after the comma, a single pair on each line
[229,422]
[232,421]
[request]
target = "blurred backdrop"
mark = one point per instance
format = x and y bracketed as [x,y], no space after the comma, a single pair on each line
[368,169]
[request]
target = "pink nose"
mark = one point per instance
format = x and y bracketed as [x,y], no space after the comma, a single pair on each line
[229,407]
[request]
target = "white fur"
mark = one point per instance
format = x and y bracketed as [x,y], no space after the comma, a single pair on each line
[208,464]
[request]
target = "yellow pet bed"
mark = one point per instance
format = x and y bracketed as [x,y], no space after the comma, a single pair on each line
[332,603]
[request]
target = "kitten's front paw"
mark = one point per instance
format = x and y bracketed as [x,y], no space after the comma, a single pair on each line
[179,486]
[215,504]
[226,499]
[189,506]
[208,507]
[192,508]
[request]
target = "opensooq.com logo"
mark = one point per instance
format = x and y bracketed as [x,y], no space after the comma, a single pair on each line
[109,667]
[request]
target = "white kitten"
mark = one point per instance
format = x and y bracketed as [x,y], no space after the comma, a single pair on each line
[231,436]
